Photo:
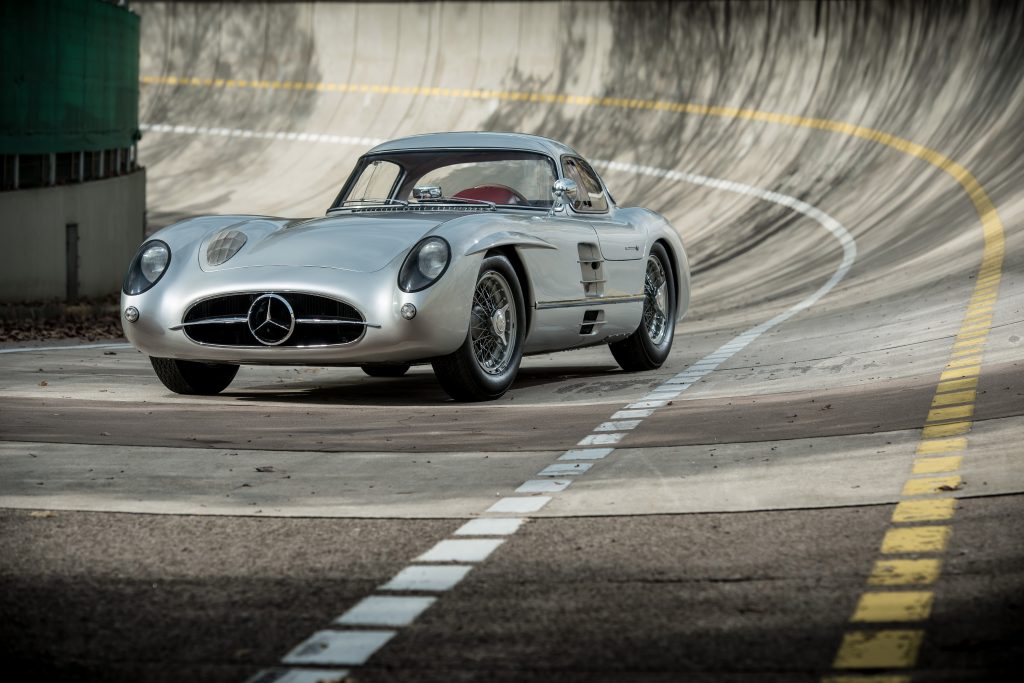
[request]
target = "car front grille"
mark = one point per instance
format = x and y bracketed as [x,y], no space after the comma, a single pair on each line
[319,320]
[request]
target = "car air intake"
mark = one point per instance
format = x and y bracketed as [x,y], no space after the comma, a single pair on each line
[318,320]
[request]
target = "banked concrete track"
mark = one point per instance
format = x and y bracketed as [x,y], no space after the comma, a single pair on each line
[847,179]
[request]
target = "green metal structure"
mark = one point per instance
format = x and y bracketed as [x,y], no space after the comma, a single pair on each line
[69,77]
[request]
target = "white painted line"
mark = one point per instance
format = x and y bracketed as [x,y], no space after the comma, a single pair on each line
[544,486]
[648,404]
[427,578]
[75,347]
[465,550]
[338,647]
[632,414]
[598,439]
[558,469]
[300,676]
[617,425]
[515,504]
[490,526]
[385,610]
[587,453]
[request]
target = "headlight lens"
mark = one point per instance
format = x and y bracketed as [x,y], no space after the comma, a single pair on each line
[424,265]
[148,266]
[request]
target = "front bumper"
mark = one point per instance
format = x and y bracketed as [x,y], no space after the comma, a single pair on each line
[439,328]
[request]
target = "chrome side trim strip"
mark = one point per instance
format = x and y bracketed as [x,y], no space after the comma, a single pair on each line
[595,302]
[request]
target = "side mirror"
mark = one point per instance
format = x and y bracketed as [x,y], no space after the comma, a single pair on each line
[427,192]
[564,191]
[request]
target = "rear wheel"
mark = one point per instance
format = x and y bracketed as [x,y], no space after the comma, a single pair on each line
[386,370]
[648,347]
[486,364]
[189,377]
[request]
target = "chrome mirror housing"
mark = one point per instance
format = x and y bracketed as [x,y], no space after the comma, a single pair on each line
[564,191]
[427,192]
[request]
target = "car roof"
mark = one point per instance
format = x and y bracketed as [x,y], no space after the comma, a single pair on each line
[476,140]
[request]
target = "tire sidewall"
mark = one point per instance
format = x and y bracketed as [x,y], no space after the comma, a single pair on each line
[658,353]
[495,385]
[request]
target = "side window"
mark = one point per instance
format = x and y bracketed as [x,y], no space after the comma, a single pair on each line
[590,198]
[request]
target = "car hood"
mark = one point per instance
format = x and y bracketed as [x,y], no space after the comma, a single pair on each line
[360,243]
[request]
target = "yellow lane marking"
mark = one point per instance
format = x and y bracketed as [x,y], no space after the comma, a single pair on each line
[930,485]
[960,373]
[905,572]
[935,510]
[954,397]
[894,606]
[950,413]
[964,362]
[879,649]
[916,539]
[949,463]
[951,429]
[942,445]
[957,385]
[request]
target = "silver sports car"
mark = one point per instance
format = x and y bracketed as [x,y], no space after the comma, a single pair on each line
[462,250]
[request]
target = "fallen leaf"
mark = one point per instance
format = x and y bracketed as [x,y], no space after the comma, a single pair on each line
[44,383]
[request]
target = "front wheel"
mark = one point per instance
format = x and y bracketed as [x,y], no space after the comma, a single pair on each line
[648,347]
[486,364]
[188,377]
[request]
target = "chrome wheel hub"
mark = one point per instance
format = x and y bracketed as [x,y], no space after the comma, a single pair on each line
[493,323]
[656,301]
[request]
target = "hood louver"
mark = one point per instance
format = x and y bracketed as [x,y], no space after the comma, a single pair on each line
[224,246]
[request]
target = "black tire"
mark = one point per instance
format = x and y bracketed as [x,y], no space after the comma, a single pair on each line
[648,347]
[476,372]
[188,377]
[385,370]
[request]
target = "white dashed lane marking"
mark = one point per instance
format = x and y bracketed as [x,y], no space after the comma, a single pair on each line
[385,610]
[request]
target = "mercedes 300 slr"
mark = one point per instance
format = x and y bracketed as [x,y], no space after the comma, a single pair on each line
[462,250]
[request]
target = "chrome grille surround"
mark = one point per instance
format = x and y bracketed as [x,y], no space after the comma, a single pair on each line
[223,320]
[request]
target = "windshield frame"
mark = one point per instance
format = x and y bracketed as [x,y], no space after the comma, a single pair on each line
[418,162]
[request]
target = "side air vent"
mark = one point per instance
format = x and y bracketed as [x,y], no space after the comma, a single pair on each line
[591,269]
[592,320]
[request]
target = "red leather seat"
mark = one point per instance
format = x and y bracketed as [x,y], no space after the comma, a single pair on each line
[499,194]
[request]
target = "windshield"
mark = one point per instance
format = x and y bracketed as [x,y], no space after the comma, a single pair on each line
[501,177]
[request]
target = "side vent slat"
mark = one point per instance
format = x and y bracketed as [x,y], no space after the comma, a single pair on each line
[591,269]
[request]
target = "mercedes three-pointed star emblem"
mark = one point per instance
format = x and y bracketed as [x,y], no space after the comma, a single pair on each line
[271,319]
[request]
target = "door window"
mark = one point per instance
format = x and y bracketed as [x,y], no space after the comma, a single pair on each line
[590,197]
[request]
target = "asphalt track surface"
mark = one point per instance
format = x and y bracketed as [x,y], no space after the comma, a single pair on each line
[823,481]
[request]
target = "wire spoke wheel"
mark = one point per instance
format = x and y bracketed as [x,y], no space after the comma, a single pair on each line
[655,315]
[493,323]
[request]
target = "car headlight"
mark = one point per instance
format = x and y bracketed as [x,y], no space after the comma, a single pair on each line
[148,266]
[424,265]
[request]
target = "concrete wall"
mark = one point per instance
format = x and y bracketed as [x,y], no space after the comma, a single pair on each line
[111,216]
